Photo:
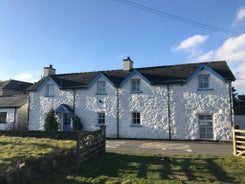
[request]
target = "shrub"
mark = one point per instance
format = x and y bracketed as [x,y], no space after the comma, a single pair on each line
[51,122]
[77,124]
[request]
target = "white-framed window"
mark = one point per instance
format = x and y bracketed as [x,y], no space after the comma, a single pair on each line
[206,126]
[136,118]
[135,85]
[101,87]
[3,117]
[50,90]
[101,118]
[203,81]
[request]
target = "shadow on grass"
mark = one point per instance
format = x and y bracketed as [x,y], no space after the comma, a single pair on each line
[117,168]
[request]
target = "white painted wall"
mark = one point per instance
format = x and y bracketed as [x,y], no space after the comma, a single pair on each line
[40,104]
[9,120]
[88,104]
[186,103]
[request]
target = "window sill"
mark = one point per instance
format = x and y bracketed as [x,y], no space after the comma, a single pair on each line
[101,93]
[135,92]
[136,125]
[3,123]
[205,89]
[49,96]
[99,125]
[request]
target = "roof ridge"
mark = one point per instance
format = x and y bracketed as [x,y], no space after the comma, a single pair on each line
[174,65]
[159,66]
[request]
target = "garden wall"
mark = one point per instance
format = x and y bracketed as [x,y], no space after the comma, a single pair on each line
[89,144]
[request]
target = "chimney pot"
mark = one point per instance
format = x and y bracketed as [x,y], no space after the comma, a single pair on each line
[48,71]
[127,64]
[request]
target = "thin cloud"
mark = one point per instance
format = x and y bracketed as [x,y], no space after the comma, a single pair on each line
[240,14]
[233,51]
[27,76]
[191,42]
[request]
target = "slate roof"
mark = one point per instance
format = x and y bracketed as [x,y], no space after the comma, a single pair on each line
[14,85]
[13,101]
[156,75]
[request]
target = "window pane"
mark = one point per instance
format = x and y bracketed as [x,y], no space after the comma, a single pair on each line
[101,87]
[50,90]
[206,126]
[136,118]
[3,117]
[203,81]
[135,85]
[101,118]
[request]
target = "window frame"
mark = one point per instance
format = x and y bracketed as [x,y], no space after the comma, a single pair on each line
[101,118]
[101,88]
[136,85]
[203,81]
[50,90]
[136,120]
[3,115]
[206,130]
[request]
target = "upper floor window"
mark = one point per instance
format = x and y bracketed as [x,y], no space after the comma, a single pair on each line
[101,87]
[50,90]
[3,117]
[203,81]
[135,85]
[101,118]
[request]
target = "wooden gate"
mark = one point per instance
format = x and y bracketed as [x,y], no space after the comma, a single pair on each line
[238,142]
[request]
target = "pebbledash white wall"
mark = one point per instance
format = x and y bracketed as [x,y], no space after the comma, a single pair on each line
[186,103]
[9,120]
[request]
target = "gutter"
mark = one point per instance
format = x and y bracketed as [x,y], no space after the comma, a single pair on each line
[169,114]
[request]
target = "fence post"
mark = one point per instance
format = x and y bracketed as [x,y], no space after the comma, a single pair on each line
[78,142]
[234,140]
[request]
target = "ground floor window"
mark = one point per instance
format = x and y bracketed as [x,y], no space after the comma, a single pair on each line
[206,126]
[3,117]
[136,118]
[101,118]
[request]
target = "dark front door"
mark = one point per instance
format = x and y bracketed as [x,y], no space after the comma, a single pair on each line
[66,122]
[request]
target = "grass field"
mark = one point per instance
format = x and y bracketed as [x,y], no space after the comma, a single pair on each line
[156,169]
[14,149]
[123,168]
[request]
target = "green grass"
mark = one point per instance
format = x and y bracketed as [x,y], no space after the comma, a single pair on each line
[123,168]
[138,168]
[14,149]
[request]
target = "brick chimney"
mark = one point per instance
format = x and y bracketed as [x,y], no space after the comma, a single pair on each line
[48,71]
[127,64]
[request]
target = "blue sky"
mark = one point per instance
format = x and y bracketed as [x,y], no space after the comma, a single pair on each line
[94,35]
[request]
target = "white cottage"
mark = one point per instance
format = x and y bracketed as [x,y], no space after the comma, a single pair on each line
[187,102]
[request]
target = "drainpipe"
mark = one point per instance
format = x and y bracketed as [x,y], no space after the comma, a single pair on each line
[28,111]
[15,112]
[74,100]
[231,104]
[117,113]
[169,114]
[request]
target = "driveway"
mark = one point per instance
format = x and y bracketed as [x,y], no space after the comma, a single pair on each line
[168,147]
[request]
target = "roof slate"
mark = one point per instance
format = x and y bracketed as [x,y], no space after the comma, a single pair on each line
[13,101]
[14,85]
[156,75]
